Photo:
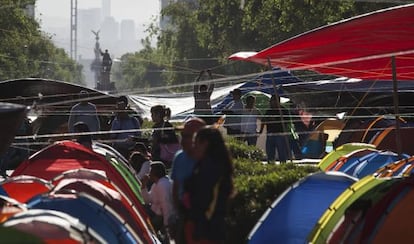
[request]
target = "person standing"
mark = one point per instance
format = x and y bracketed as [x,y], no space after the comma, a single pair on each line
[208,190]
[275,138]
[128,125]
[84,111]
[249,121]
[233,113]
[202,96]
[164,134]
[182,169]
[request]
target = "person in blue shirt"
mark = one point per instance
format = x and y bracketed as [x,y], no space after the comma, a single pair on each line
[182,168]
[129,126]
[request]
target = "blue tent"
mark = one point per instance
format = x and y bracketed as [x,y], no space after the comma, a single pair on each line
[294,213]
[90,212]
[370,163]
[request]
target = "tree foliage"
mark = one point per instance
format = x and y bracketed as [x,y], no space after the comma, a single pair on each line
[27,52]
[202,35]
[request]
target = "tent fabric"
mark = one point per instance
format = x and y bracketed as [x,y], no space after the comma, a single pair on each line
[9,207]
[359,47]
[121,165]
[24,187]
[368,164]
[182,105]
[341,151]
[388,220]
[293,214]
[403,167]
[341,220]
[51,226]
[140,219]
[112,198]
[66,155]
[349,158]
[90,211]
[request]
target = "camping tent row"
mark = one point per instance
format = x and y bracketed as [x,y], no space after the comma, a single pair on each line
[361,196]
[66,192]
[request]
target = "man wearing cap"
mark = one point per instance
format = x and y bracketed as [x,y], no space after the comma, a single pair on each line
[182,169]
[84,111]
[233,111]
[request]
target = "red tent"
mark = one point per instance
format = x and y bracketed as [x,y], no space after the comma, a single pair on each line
[24,187]
[80,179]
[359,47]
[68,155]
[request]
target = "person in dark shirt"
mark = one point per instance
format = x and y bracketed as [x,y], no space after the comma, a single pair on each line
[202,94]
[208,190]
[163,133]
[275,138]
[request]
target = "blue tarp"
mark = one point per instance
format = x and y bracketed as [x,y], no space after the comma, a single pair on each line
[293,214]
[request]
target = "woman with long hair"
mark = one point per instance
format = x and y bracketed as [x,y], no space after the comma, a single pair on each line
[208,190]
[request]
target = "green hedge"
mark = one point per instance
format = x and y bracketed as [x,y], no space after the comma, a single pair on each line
[257,185]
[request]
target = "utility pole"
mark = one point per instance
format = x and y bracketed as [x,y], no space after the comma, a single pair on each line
[74,29]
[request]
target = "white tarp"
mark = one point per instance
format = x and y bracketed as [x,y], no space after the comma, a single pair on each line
[181,104]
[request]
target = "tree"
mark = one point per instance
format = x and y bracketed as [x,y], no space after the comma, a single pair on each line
[204,34]
[27,52]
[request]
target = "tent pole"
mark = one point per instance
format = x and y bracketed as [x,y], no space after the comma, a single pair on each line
[280,112]
[396,105]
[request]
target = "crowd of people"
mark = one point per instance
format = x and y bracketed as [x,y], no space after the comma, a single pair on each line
[186,177]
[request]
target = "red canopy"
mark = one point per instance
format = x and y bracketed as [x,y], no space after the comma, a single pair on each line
[360,47]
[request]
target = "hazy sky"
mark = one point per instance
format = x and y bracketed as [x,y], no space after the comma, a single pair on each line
[139,10]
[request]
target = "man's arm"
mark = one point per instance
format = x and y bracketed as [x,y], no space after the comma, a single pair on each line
[196,85]
[211,86]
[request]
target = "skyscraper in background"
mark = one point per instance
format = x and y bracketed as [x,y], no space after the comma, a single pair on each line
[106,9]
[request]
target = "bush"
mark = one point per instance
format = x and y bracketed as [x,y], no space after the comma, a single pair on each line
[240,150]
[257,185]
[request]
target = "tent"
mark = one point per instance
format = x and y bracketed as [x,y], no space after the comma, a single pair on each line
[340,217]
[374,210]
[10,207]
[67,155]
[380,131]
[345,49]
[108,196]
[341,151]
[349,158]
[51,227]
[182,104]
[403,167]
[292,215]
[141,220]
[368,164]
[91,212]
[389,220]
[24,187]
